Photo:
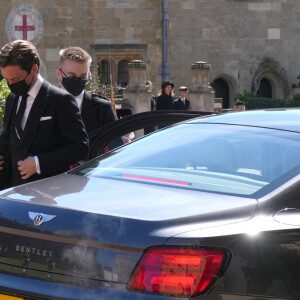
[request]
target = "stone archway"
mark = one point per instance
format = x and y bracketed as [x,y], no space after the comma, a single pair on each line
[122,75]
[221,88]
[226,87]
[265,88]
[273,74]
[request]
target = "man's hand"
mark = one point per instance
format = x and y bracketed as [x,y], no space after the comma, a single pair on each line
[1,162]
[27,167]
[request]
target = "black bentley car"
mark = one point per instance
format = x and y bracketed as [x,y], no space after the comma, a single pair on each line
[208,208]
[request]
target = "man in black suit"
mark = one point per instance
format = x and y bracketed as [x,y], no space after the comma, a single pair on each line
[74,74]
[181,103]
[42,130]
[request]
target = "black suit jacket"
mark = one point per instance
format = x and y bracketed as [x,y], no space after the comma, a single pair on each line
[164,102]
[96,112]
[54,132]
[178,105]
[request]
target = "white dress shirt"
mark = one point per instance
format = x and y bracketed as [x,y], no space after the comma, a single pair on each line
[79,100]
[30,99]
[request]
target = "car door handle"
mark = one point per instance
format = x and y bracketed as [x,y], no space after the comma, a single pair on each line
[289,216]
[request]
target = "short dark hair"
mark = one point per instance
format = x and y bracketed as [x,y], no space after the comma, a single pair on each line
[21,53]
[240,103]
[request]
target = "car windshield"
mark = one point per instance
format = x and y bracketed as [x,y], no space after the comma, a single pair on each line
[230,159]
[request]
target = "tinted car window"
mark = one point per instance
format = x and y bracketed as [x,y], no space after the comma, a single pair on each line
[231,159]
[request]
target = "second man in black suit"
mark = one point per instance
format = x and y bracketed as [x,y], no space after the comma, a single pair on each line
[74,74]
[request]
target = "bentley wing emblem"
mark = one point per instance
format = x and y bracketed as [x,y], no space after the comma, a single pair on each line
[39,218]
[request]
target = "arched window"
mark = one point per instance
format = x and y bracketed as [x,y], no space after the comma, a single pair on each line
[122,73]
[265,88]
[221,88]
[104,72]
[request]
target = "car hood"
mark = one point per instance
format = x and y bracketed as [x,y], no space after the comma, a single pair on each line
[142,201]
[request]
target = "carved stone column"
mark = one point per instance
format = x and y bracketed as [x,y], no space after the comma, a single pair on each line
[201,93]
[136,92]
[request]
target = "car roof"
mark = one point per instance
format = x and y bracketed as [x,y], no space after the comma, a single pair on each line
[284,119]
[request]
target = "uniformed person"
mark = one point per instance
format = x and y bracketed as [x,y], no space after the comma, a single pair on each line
[182,103]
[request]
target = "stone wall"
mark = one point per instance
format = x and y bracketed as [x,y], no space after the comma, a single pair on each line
[236,37]
[91,22]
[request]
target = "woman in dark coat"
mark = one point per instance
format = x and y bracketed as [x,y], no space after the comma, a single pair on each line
[165,99]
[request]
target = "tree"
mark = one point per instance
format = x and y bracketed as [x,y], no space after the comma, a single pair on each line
[4,92]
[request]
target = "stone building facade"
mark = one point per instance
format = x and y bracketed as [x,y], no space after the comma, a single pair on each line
[251,45]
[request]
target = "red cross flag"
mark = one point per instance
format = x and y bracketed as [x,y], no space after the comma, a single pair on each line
[24,27]
[24,23]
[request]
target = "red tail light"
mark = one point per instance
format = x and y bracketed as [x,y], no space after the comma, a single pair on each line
[178,272]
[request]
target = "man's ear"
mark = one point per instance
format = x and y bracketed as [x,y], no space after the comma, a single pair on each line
[58,75]
[35,68]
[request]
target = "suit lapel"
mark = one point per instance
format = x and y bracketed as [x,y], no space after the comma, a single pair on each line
[87,109]
[36,112]
[10,108]
[181,104]
[84,106]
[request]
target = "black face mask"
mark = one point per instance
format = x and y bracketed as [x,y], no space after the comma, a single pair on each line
[74,85]
[19,88]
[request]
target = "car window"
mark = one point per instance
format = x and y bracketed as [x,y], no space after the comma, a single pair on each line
[231,159]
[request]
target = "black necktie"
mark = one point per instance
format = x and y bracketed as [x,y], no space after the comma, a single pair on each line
[20,114]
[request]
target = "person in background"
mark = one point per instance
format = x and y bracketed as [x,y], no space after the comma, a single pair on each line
[43,133]
[149,85]
[165,97]
[74,74]
[182,103]
[240,106]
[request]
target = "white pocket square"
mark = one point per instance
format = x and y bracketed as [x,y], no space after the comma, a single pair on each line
[45,118]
